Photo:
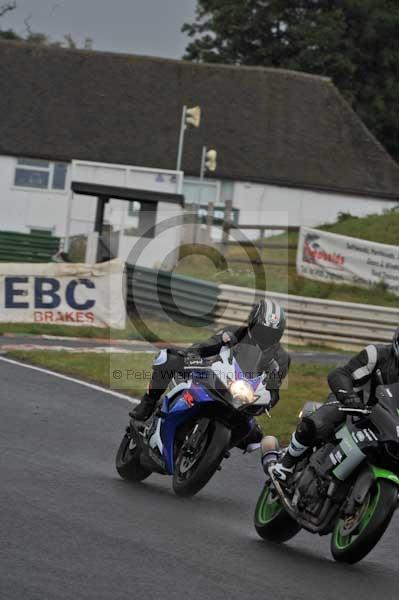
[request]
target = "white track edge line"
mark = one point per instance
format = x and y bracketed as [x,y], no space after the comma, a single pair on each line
[92,386]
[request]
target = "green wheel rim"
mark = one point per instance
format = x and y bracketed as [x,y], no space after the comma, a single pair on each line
[268,507]
[342,542]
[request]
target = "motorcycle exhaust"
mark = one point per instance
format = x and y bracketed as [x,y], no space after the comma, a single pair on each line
[326,513]
[270,449]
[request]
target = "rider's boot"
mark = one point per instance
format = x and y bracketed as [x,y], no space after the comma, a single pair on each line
[284,469]
[146,407]
[165,365]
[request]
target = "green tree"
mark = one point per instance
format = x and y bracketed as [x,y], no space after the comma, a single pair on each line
[355,42]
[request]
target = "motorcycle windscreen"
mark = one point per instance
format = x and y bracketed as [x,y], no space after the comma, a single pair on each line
[250,359]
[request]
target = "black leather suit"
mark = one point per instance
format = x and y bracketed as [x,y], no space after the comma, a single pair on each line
[361,375]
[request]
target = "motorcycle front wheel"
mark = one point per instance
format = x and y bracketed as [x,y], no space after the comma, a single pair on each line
[271,520]
[193,470]
[355,537]
[127,461]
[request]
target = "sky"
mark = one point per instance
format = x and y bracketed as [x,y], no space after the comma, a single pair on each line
[150,27]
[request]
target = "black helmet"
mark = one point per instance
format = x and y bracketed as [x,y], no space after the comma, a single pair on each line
[266,323]
[395,343]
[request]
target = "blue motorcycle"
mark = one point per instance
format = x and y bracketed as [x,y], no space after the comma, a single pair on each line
[204,414]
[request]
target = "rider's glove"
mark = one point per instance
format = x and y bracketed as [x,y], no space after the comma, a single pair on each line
[229,338]
[353,401]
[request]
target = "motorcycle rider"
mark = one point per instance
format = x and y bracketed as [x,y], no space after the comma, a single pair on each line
[352,386]
[263,331]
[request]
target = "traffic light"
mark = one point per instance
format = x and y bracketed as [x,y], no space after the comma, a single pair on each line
[193,116]
[210,161]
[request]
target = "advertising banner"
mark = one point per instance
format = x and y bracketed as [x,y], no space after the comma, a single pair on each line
[63,294]
[329,257]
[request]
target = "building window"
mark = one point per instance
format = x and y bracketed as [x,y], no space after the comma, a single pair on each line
[59,176]
[40,174]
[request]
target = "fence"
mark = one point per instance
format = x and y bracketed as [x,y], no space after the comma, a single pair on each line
[261,244]
[183,298]
[27,247]
[229,226]
[310,320]
[195,232]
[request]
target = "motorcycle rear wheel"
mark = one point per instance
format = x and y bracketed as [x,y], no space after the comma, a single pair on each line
[127,461]
[271,520]
[187,482]
[378,509]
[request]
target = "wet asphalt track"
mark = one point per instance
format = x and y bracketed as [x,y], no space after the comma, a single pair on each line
[71,529]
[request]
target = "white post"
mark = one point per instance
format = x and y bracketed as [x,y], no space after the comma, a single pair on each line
[181,138]
[68,223]
[198,206]
[202,174]
[91,248]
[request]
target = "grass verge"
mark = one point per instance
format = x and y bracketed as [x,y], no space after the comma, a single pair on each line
[305,381]
[167,331]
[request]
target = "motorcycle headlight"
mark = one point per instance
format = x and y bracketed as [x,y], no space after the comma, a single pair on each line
[242,392]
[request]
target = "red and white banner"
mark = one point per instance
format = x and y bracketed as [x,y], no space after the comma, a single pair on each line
[63,294]
[329,257]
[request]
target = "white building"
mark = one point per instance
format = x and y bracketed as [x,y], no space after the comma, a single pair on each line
[290,149]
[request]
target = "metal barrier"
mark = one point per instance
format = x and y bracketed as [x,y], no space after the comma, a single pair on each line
[182,298]
[27,247]
[345,325]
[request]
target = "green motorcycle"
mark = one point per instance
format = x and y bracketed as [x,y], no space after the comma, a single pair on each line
[348,487]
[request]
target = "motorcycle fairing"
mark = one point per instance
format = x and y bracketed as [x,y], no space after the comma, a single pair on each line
[348,455]
[385,474]
[385,414]
[178,411]
[227,370]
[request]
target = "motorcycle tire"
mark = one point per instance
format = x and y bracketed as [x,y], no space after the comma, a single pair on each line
[271,520]
[377,514]
[214,448]
[127,461]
